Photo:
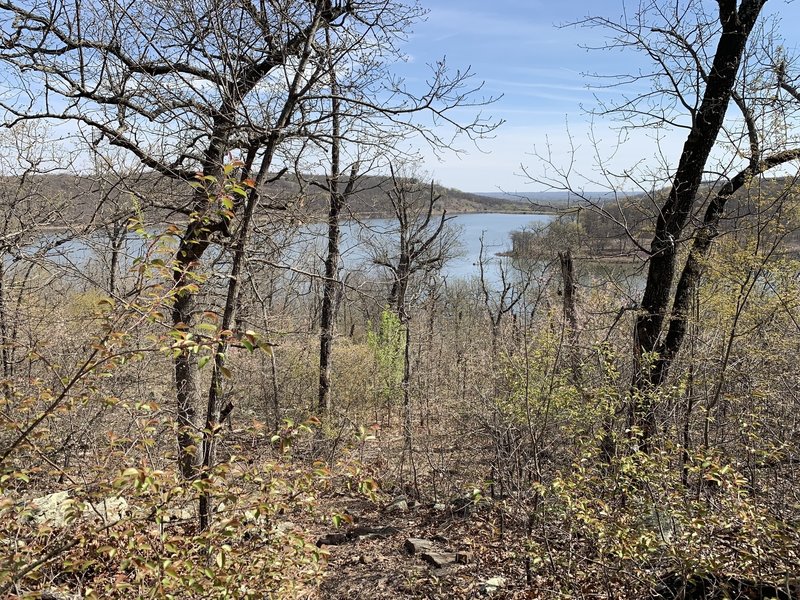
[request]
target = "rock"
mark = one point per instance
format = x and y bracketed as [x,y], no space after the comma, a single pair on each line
[110,510]
[439,559]
[440,507]
[400,505]
[332,539]
[356,533]
[490,586]
[59,509]
[52,509]
[417,545]
[172,515]
[284,527]
[58,595]
[368,533]
[443,572]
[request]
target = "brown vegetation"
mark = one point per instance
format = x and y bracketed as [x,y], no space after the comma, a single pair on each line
[208,409]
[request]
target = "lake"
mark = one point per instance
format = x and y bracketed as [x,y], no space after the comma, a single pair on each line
[496,229]
[309,244]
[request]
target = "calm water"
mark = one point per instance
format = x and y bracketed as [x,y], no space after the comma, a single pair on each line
[308,244]
[496,229]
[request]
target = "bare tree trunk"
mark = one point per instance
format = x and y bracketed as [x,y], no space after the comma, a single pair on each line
[118,234]
[570,311]
[194,243]
[693,269]
[408,416]
[568,280]
[186,389]
[737,23]
[5,342]
[328,315]
[7,338]
[215,414]
[276,404]
[331,283]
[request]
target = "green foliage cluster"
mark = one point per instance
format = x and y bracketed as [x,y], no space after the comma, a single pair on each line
[628,521]
[387,343]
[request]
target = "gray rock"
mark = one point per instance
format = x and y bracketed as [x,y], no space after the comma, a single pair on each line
[285,527]
[417,545]
[400,505]
[439,559]
[173,515]
[59,509]
[58,595]
[110,510]
[490,586]
[53,509]
[368,533]
[356,533]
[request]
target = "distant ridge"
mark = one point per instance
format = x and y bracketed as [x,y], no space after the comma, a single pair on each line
[553,197]
[159,198]
[543,201]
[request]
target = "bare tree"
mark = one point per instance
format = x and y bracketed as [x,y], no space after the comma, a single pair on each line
[422,243]
[337,199]
[185,86]
[33,223]
[704,61]
[513,287]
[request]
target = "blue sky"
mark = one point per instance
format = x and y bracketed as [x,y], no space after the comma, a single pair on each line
[517,48]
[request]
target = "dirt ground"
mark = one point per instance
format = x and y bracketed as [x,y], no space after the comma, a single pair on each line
[378,565]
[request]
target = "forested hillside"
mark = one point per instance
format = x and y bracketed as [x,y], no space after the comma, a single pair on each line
[86,200]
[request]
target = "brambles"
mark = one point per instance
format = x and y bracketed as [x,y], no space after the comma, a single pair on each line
[535,440]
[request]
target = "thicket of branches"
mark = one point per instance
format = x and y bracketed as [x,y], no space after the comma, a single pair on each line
[184,364]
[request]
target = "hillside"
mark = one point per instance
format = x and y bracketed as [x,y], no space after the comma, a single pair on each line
[371,197]
[76,198]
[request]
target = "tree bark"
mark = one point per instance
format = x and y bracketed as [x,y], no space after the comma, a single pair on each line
[570,312]
[737,24]
[331,283]
[328,315]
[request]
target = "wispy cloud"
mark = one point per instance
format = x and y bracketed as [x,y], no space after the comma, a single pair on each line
[483,24]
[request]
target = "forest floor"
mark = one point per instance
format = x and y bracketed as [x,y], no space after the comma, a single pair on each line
[375,561]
